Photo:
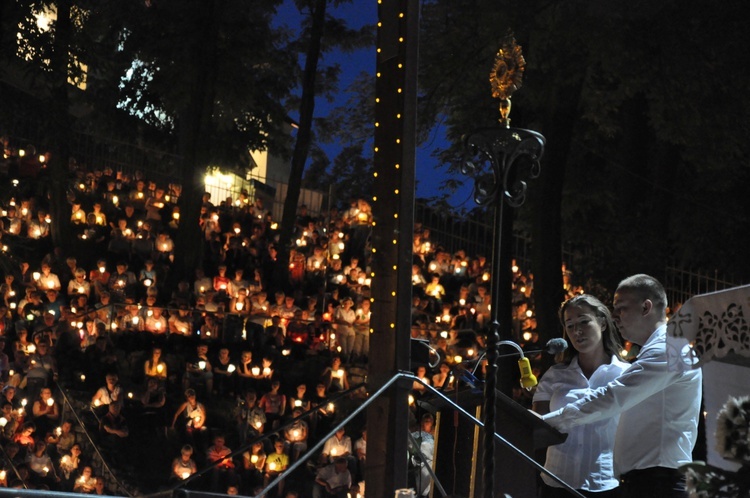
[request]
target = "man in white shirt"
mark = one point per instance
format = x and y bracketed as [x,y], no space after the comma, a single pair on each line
[658,403]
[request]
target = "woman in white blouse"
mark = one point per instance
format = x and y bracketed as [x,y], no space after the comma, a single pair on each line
[584,460]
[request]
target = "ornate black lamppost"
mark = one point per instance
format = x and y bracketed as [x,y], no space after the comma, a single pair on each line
[500,159]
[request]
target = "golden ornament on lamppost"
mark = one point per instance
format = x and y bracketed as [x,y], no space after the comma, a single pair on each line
[507,75]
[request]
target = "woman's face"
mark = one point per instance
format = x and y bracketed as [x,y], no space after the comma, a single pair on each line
[584,329]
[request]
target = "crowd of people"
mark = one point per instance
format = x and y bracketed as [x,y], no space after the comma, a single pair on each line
[104,319]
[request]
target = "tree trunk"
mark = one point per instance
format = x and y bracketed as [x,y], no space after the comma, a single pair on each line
[194,129]
[304,133]
[547,232]
[59,131]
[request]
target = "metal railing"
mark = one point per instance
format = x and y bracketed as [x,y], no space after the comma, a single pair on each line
[681,284]
[342,424]
[98,462]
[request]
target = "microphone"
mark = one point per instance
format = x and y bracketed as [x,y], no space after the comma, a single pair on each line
[555,346]
[528,379]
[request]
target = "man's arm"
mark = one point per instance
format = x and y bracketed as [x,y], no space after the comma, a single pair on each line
[647,376]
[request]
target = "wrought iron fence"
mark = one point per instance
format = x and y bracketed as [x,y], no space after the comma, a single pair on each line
[681,284]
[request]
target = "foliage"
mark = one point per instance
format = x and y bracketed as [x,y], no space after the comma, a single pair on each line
[733,443]
[251,68]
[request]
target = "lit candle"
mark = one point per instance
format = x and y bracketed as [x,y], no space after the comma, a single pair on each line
[266,371]
[272,466]
[160,368]
[202,365]
[50,402]
[258,424]
[255,371]
[297,403]
[231,368]
[185,475]
[253,458]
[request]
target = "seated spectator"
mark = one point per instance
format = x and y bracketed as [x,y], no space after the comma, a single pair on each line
[184,466]
[332,480]
[107,394]
[193,415]
[273,404]
[218,455]
[276,463]
[296,436]
[154,367]
[335,377]
[46,412]
[338,446]
[198,370]
[251,418]
[113,425]
[63,438]
[224,373]
[69,467]
[41,466]
[253,463]
[86,482]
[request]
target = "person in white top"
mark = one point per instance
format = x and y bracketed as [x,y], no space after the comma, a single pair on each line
[584,460]
[658,402]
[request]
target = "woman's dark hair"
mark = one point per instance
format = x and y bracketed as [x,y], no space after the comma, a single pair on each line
[610,337]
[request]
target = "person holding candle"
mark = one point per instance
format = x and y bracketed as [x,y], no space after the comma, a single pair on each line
[251,418]
[183,466]
[333,480]
[198,369]
[193,414]
[218,455]
[46,411]
[253,463]
[276,463]
[344,317]
[154,367]
[224,373]
[273,404]
[41,466]
[338,446]
[79,285]
[296,435]
[335,377]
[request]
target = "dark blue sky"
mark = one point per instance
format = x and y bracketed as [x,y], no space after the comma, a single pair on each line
[357,14]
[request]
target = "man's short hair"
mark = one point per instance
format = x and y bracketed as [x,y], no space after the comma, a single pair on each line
[645,287]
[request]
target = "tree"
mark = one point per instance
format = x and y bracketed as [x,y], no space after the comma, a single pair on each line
[619,92]
[215,75]
[320,33]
